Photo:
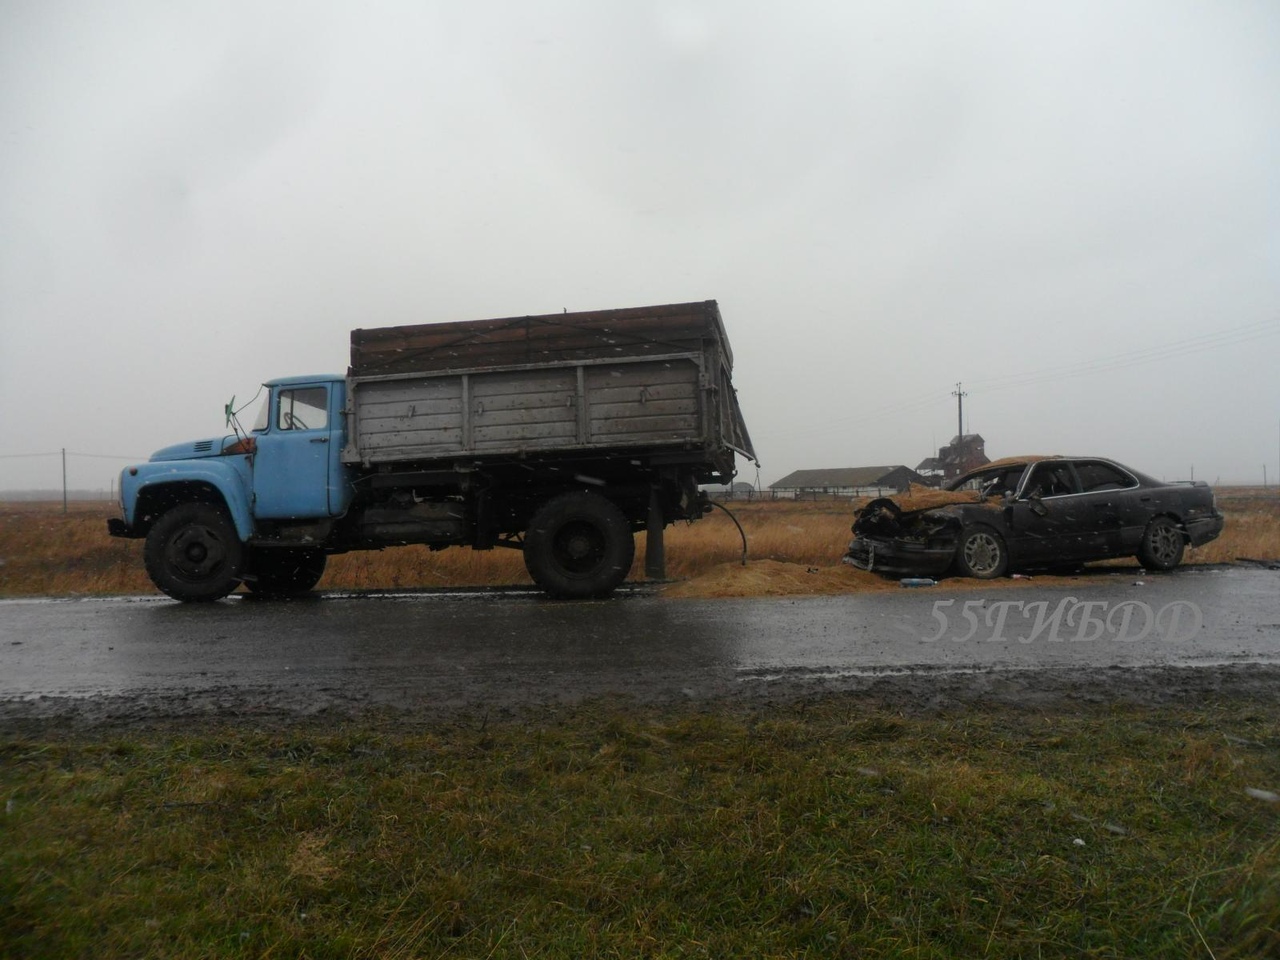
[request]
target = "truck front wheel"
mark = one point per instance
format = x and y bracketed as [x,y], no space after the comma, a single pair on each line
[193,553]
[579,545]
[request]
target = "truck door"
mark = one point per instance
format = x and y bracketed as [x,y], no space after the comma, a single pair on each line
[295,455]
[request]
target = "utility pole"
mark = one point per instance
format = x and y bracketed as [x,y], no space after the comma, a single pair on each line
[959,395]
[64,479]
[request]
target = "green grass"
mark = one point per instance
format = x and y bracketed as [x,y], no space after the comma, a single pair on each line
[827,828]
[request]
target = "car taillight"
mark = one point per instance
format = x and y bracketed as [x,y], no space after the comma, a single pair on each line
[243,445]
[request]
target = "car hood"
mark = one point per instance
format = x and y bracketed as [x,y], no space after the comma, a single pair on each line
[918,497]
[917,510]
[191,450]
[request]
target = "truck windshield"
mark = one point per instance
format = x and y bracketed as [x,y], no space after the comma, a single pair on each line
[264,413]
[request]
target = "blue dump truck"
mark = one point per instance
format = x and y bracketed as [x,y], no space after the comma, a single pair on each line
[561,436]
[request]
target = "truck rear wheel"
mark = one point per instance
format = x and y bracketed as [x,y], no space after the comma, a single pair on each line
[194,554]
[284,571]
[579,545]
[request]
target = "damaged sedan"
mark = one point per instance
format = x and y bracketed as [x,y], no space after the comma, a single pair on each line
[1030,514]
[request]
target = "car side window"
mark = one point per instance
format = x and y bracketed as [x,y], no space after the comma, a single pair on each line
[306,408]
[1097,477]
[1051,480]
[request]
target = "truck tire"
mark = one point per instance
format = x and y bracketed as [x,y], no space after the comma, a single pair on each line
[1162,545]
[579,545]
[194,554]
[284,571]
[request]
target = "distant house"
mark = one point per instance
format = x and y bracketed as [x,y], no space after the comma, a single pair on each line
[962,454]
[846,482]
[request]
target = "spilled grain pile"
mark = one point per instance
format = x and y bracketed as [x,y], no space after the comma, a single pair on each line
[775,578]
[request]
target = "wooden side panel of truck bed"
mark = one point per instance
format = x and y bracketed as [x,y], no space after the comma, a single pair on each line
[528,411]
[550,338]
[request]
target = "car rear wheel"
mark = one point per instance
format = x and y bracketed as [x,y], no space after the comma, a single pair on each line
[579,545]
[1162,545]
[981,554]
[193,553]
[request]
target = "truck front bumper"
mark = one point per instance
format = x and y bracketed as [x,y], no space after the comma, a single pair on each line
[118,528]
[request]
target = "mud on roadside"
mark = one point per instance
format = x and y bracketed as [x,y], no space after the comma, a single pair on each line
[908,692]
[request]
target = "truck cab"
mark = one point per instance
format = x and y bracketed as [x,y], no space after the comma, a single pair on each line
[255,507]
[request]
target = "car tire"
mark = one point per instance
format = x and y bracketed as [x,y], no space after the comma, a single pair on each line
[194,554]
[579,545]
[1162,545]
[981,553]
[284,571]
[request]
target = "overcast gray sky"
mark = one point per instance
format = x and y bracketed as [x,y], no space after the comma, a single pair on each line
[1071,208]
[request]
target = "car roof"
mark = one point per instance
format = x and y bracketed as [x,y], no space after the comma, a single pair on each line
[1021,461]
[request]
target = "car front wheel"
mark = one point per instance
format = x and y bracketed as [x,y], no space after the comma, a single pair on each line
[982,554]
[1162,545]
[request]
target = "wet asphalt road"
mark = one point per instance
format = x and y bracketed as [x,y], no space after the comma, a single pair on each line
[515,647]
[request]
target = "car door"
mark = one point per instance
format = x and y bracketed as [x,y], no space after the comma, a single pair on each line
[1046,521]
[1109,495]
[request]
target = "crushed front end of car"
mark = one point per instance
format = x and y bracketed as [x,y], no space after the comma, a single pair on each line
[897,542]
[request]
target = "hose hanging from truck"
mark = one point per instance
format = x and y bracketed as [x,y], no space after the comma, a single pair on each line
[736,524]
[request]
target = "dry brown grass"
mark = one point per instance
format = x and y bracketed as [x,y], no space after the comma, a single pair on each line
[794,548]
[1252,529]
[44,552]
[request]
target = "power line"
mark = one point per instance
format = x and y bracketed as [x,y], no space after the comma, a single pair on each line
[102,456]
[70,453]
[1119,361]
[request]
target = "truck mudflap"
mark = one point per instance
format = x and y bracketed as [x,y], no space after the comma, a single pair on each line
[116,527]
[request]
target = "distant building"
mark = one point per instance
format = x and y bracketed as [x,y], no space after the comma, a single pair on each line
[962,454]
[738,490]
[846,482]
[932,469]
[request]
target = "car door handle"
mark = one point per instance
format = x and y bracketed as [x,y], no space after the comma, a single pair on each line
[319,439]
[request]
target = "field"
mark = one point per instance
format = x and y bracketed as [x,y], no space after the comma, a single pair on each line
[793,547]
